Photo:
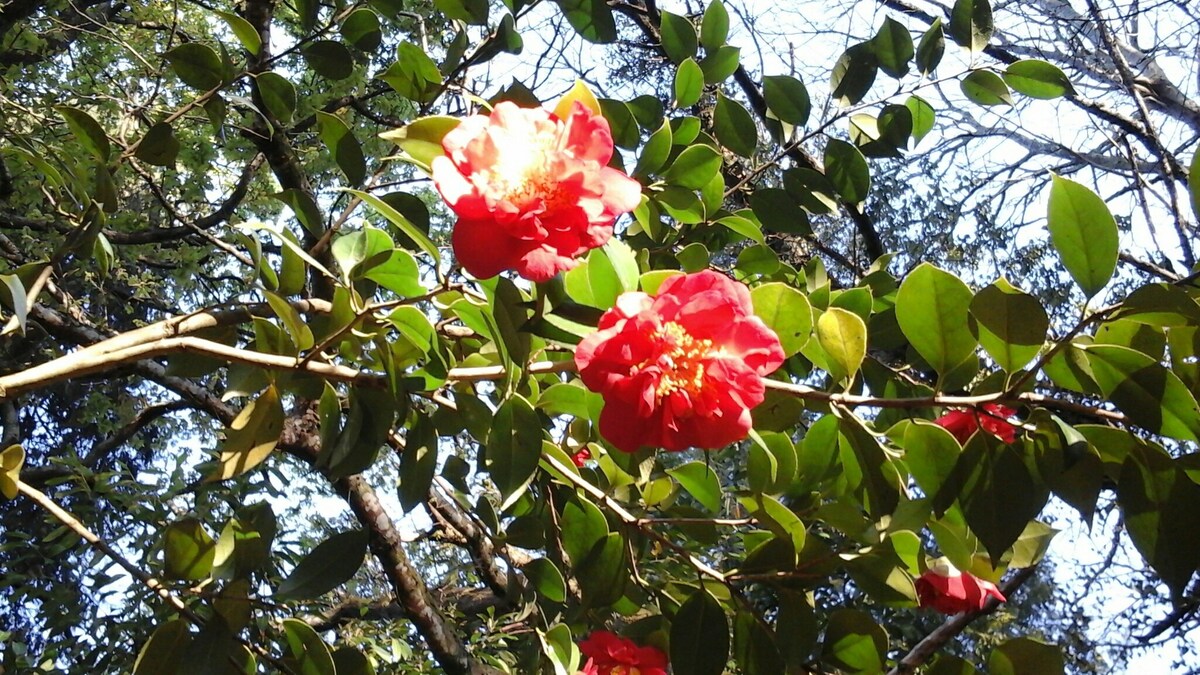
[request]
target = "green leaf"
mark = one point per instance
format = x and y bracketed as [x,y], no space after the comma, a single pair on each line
[198,65]
[678,37]
[932,48]
[699,636]
[514,447]
[307,653]
[854,642]
[843,336]
[930,453]
[786,311]
[592,19]
[853,74]
[624,127]
[714,27]
[1161,505]
[689,83]
[295,325]
[754,646]
[932,310]
[1084,233]
[251,436]
[418,463]
[1038,79]
[473,12]
[546,579]
[329,58]
[403,224]
[781,520]
[847,171]
[362,29]
[1000,493]
[188,550]
[700,482]
[332,563]
[582,526]
[1151,395]
[778,212]
[243,30]
[867,468]
[787,99]
[343,146]
[1011,324]
[971,24]
[87,131]
[984,87]
[350,661]
[159,146]
[164,652]
[1161,305]
[923,117]
[306,11]
[1026,656]
[893,46]
[694,167]
[602,574]
[734,127]
[421,139]
[278,95]
[655,152]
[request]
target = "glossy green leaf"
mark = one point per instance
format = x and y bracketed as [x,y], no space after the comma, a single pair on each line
[678,35]
[843,336]
[1000,493]
[1036,78]
[307,653]
[787,99]
[1161,504]
[350,661]
[699,636]
[592,19]
[243,30]
[655,152]
[403,224]
[343,146]
[932,310]
[689,83]
[923,117]
[754,646]
[546,579]
[87,131]
[893,46]
[278,95]
[714,27]
[514,447]
[694,167]
[332,563]
[971,23]
[854,642]
[1162,305]
[984,87]
[1194,183]
[734,127]
[847,171]
[164,652]
[786,311]
[1011,324]
[421,139]
[188,550]
[362,29]
[473,12]
[700,482]
[329,58]
[582,525]
[853,74]
[159,146]
[1084,233]
[1026,656]
[931,48]
[1150,394]
[198,65]
[778,212]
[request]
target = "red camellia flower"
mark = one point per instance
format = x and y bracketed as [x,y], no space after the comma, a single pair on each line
[531,190]
[993,418]
[682,369]
[581,458]
[610,654]
[950,591]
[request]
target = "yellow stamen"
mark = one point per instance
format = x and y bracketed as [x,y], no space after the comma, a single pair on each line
[682,361]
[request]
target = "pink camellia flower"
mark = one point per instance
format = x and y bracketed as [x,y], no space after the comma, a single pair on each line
[682,369]
[950,591]
[993,418]
[610,654]
[531,191]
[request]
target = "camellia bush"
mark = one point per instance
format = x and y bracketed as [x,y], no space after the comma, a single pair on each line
[353,337]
